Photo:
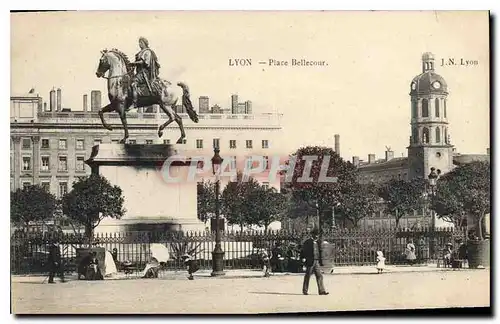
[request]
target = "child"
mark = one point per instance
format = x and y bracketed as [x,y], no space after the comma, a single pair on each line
[191,265]
[380,262]
[266,262]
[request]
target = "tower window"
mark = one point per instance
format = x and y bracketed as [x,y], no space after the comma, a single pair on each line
[425,108]
[414,135]
[444,108]
[425,135]
[446,135]
[438,135]
[437,107]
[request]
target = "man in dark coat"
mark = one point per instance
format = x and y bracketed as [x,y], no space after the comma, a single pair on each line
[55,264]
[311,256]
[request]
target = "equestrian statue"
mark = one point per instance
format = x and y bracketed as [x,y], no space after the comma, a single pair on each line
[137,84]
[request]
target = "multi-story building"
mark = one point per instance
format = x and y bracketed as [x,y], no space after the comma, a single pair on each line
[49,146]
[429,145]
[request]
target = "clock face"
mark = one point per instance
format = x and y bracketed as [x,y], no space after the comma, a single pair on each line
[436,85]
[413,86]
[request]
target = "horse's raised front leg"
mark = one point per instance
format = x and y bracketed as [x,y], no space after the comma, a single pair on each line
[123,117]
[167,110]
[108,108]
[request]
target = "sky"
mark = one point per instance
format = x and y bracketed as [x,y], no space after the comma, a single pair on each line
[362,94]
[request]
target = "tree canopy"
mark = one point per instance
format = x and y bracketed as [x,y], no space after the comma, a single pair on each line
[358,201]
[206,200]
[318,194]
[466,190]
[31,203]
[91,200]
[403,197]
[265,205]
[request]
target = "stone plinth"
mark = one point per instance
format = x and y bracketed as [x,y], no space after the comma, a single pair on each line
[152,202]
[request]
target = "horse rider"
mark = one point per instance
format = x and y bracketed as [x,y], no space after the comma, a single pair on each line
[147,68]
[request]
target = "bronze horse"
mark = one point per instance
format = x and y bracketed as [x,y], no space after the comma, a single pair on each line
[120,94]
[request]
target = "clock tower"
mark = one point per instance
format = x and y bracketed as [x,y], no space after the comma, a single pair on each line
[430,144]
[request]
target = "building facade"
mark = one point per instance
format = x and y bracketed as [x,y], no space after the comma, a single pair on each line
[49,147]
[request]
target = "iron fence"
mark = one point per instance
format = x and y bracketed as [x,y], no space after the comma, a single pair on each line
[343,247]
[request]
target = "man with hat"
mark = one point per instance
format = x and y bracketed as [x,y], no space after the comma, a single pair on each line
[311,256]
[54,263]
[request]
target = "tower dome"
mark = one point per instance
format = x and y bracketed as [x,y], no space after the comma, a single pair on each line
[428,81]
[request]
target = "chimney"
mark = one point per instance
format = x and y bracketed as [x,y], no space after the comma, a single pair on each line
[44,106]
[95,100]
[58,99]
[52,100]
[337,144]
[389,154]
[371,158]
[85,106]
[248,107]
[355,161]
[234,104]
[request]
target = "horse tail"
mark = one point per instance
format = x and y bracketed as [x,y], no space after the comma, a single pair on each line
[186,102]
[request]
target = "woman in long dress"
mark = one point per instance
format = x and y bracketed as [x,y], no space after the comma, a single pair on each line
[410,252]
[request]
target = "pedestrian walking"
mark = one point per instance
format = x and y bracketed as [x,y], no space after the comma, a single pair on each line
[380,262]
[266,262]
[55,263]
[311,256]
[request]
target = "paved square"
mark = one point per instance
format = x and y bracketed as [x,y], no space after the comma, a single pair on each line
[256,295]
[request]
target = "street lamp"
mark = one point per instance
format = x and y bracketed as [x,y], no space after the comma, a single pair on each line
[433,177]
[217,254]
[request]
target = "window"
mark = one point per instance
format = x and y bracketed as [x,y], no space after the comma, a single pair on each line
[132,141]
[425,108]
[425,135]
[249,163]
[444,108]
[184,141]
[167,141]
[216,142]
[233,162]
[63,163]
[62,144]
[97,141]
[414,109]
[80,144]
[26,184]
[149,142]
[80,163]
[26,163]
[45,185]
[199,143]
[232,144]
[26,143]
[446,136]
[266,162]
[249,144]
[63,188]
[115,141]
[265,144]
[265,185]
[45,143]
[438,135]
[414,134]
[436,103]
[45,166]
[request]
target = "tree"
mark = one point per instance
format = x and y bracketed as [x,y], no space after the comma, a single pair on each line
[30,204]
[403,197]
[465,190]
[357,202]
[206,200]
[234,203]
[317,194]
[91,200]
[264,205]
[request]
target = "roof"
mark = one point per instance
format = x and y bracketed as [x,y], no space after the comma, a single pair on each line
[424,83]
[400,162]
[468,158]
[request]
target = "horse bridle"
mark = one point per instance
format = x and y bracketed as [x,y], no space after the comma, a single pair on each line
[117,76]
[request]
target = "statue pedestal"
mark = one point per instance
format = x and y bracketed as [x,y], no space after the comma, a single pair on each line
[152,202]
